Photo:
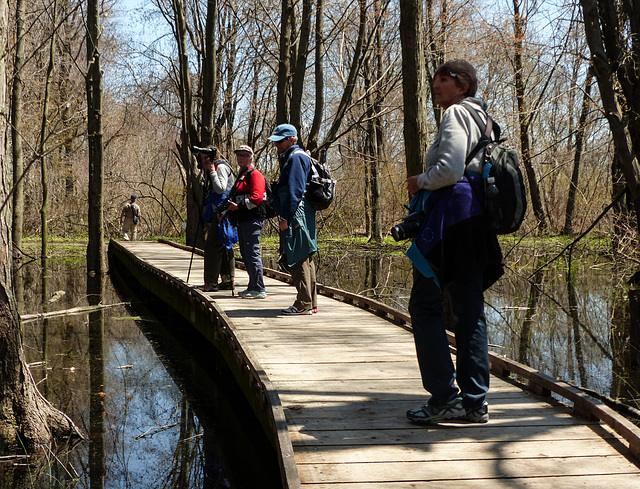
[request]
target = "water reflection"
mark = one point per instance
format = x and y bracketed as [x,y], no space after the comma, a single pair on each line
[102,371]
[95,294]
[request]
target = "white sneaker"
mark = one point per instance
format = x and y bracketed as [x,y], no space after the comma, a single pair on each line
[294,311]
[254,294]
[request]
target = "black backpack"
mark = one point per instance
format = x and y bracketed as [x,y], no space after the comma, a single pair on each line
[321,187]
[505,196]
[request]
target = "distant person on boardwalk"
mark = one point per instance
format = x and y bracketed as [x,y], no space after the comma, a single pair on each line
[129,219]
[247,210]
[219,262]
[457,258]
[297,218]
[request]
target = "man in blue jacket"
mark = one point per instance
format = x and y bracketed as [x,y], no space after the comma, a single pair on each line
[297,218]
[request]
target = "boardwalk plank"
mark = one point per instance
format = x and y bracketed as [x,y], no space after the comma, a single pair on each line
[489,450]
[466,469]
[590,481]
[345,378]
[450,433]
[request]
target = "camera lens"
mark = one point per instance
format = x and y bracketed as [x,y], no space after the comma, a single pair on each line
[397,233]
[409,227]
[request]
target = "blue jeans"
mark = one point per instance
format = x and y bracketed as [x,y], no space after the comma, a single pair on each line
[249,243]
[464,300]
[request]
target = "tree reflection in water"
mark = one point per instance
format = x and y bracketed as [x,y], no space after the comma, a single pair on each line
[144,431]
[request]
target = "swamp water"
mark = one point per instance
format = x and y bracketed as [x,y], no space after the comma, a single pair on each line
[155,407]
[165,418]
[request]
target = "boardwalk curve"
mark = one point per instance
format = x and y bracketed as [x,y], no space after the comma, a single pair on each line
[331,390]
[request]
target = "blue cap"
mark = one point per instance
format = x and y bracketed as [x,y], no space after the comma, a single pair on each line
[134,196]
[283,131]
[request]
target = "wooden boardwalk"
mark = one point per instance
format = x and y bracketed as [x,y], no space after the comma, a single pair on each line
[344,378]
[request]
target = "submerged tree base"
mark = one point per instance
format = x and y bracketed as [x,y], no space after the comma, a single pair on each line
[29,423]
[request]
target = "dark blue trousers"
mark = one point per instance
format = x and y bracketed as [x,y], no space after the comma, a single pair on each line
[463,301]
[249,243]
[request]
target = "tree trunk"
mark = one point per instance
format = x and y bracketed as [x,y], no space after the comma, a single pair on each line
[209,74]
[373,74]
[16,144]
[413,85]
[229,108]
[575,174]
[524,119]
[27,419]
[314,134]
[195,235]
[613,61]
[436,35]
[284,63]
[354,70]
[300,69]
[252,136]
[44,234]
[95,248]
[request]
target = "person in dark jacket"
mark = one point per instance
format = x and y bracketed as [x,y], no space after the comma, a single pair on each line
[297,218]
[247,210]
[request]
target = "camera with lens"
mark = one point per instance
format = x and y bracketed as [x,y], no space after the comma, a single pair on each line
[210,151]
[223,207]
[409,227]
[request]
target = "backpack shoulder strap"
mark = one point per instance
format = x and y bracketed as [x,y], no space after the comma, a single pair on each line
[313,171]
[485,129]
[225,162]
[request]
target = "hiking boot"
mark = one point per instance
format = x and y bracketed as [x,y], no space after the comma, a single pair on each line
[478,414]
[294,311]
[225,286]
[210,288]
[429,414]
[255,294]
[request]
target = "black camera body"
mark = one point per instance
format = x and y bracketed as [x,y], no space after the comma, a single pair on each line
[210,151]
[409,227]
[223,207]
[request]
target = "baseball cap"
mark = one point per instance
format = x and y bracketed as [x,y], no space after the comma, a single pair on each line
[245,148]
[283,131]
[134,196]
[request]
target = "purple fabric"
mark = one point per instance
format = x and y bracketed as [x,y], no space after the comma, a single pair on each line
[454,236]
[447,207]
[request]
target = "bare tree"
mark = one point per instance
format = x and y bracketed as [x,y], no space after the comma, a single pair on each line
[284,62]
[413,85]
[16,144]
[209,73]
[579,142]
[525,115]
[95,247]
[28,420]
[44,234]
[612,33]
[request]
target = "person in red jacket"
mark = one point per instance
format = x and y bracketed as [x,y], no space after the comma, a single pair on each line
[247,209]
